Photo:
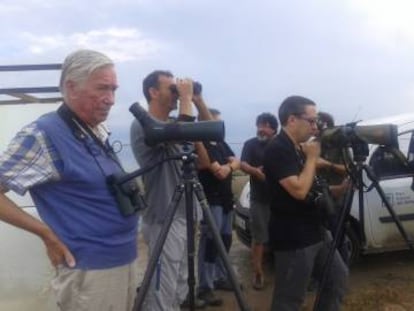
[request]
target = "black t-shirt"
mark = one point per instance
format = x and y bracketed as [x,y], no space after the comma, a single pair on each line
[218,192]
[252,153]
[293,223]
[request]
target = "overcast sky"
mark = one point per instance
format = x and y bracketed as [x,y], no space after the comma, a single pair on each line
[354,58]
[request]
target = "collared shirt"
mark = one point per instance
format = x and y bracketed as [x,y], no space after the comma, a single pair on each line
[30,159]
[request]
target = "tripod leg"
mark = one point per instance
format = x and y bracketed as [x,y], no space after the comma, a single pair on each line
[389,207]
[153,261]
[219,244]
[361,211]
[337,238]
[190,243]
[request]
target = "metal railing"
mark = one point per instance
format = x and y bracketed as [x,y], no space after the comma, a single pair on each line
[25,95]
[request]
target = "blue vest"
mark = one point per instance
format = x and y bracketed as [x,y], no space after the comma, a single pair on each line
[80,208]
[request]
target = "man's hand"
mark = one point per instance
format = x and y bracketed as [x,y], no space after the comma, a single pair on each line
[220,171]
[338,190]
[234,163]
[259,174]
[312,149]
[203,112]
[185,89]
[57,252]
[198,100]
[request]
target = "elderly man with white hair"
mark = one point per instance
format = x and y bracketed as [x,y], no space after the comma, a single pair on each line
[63,159]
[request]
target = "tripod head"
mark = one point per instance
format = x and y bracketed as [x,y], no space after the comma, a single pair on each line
[128,192]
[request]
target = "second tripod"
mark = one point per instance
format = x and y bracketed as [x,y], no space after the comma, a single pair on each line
[357,183]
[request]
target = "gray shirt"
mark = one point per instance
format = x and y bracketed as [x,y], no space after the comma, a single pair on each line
[160,183]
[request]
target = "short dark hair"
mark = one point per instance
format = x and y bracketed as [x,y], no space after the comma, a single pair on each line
[293,105]
[267,118]
[326,118]
[152,80]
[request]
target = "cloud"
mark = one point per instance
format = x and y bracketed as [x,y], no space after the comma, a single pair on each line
[387,22]
[121,44]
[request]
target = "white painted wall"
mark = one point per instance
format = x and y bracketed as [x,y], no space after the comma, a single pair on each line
[25,271]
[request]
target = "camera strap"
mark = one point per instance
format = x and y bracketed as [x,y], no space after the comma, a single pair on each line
[82,131]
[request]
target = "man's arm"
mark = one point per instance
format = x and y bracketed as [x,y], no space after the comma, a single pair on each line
[246,158]
[224,170]
[203,160]
[338,190]
[20,154]
[221,171]
[255,172]
[185,91]
[234,163]
[203,112]
[57,252]
[300,185]
[337,168]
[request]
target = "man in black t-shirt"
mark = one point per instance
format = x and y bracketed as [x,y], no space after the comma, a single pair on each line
[252,164]
[296,233]
[216,180]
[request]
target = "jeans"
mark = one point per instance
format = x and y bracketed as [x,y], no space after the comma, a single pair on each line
[210,265]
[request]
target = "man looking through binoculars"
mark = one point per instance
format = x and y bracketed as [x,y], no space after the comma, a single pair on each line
[165,94]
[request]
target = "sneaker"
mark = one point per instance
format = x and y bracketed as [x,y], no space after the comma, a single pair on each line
[210,298]
[258,281]
[225,284]
[198,303]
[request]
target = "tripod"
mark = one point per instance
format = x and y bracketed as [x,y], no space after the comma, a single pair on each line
[188,186]
[357,183]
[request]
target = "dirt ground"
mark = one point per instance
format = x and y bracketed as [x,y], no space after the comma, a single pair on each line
[381,282]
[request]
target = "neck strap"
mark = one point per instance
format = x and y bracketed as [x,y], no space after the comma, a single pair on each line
[82,131]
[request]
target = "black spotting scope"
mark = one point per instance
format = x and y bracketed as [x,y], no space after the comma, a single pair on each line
[156,131]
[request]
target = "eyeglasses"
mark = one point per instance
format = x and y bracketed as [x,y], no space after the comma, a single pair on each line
[311,121]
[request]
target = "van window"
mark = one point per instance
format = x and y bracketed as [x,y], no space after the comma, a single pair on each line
[389,162]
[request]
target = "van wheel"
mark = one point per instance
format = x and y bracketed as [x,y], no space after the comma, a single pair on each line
[351,247]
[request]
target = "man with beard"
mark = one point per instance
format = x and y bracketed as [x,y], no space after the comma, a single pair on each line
[296,232]
[252,164]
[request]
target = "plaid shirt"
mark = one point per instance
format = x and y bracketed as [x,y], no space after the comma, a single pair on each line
[30,159]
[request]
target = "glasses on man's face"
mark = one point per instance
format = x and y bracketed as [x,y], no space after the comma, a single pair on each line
[311,121]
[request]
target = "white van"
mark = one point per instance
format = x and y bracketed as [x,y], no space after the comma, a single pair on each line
[394,179]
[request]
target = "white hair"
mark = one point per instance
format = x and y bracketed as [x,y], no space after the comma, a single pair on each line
[78,65]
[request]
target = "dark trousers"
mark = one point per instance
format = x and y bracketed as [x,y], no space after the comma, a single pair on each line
[293,270]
